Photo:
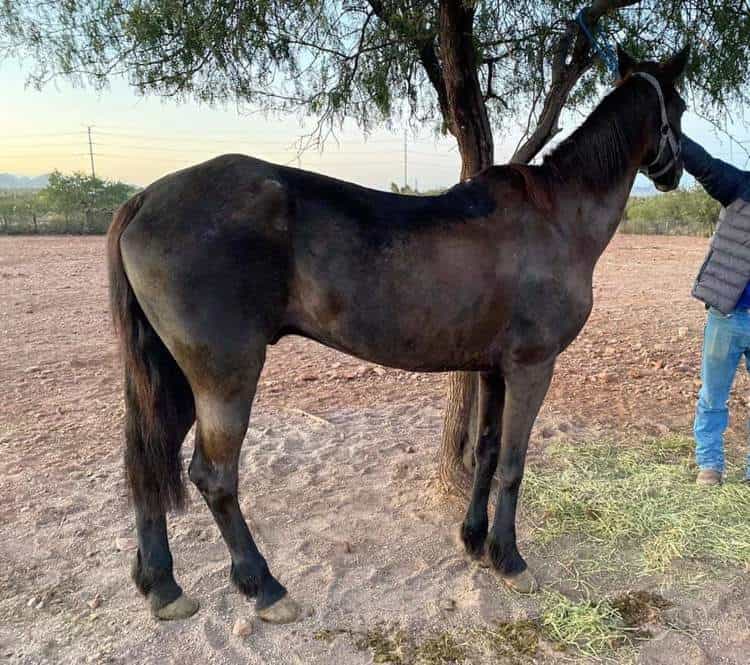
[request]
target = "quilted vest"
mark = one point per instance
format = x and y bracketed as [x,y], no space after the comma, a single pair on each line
[726,270]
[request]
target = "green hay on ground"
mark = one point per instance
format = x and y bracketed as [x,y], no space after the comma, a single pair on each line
[594,629]
[589,627]
[643,498]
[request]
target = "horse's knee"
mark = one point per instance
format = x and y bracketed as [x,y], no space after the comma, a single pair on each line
[510,477]
[487,449]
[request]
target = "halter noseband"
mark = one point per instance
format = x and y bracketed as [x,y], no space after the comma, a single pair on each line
[667,135]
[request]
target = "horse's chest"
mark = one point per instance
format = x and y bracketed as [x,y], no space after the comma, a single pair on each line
[549,319]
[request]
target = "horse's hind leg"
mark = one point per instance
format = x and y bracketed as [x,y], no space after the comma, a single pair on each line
[152,568]
[222,422]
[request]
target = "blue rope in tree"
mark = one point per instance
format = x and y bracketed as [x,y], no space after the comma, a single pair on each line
[604,51]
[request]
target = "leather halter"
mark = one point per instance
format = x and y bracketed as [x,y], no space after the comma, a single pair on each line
[667,135]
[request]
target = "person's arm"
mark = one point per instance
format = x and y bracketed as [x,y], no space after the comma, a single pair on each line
[722,181]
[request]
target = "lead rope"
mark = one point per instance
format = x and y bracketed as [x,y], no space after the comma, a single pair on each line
[604,51]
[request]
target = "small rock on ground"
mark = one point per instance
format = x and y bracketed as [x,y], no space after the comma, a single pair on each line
[242,628]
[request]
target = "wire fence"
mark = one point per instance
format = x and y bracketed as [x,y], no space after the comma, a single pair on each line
[90,221]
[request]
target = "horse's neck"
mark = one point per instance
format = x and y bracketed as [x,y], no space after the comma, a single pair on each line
[595,168]
[599,210]
[603,212]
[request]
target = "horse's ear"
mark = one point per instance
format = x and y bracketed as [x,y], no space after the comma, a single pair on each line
[625,62]
[674,68]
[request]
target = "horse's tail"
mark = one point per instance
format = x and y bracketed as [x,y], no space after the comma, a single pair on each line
[159,406]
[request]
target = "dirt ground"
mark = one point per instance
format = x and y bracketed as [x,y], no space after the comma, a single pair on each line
[337,474]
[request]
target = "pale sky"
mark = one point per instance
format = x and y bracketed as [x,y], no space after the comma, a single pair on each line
[138,139]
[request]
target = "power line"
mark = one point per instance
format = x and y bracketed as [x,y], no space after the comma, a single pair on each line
[25,136]
[175,152]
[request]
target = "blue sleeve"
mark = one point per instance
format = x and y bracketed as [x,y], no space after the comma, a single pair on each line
[722,181]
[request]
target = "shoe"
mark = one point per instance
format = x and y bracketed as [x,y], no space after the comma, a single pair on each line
[708,477]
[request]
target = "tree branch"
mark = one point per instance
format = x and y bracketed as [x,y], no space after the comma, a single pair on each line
[571,59]
[425,48]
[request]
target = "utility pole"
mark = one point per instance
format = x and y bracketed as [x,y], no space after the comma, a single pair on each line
[91,154]
[405,163]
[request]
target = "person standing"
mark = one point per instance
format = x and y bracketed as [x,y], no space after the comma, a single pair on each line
[723,284]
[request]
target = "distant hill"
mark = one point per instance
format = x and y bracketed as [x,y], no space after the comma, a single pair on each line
[10,181]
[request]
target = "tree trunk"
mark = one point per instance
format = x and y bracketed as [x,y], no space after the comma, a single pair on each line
[467,113]
[467,120]
[463,105]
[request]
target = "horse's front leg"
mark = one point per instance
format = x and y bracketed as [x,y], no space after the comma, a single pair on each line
[526,386]
[486,449]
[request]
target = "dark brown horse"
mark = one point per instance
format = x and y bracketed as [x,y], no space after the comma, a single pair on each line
[210,265]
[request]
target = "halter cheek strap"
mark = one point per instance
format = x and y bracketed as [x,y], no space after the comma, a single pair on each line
[667,135]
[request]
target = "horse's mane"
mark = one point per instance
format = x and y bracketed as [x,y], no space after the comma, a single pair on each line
[595,155]
[599,151]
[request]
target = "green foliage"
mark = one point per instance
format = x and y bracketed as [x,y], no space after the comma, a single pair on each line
[75,203]
[362,59]
[682,212]
[68,193]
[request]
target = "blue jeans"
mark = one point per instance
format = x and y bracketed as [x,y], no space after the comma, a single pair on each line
[726,339]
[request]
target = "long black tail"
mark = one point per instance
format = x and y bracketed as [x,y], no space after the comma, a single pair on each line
[159,405]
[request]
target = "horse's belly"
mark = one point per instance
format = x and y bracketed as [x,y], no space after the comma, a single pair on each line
[411,343]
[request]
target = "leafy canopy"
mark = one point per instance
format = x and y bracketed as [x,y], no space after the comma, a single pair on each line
[362,59]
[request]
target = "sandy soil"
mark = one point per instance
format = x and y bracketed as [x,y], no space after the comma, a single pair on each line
[337,476]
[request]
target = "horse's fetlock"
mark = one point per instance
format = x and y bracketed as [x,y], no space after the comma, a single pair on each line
[248,578]
[157,584]
[505,557]
[473,535]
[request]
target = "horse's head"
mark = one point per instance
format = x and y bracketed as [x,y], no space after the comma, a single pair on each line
[662,159]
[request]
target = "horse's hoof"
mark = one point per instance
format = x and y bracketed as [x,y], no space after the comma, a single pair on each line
[182,608]
[284,610]
[524,582]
